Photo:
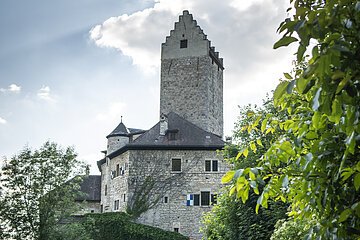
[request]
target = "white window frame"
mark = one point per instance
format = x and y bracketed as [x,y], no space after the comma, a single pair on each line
[211,165]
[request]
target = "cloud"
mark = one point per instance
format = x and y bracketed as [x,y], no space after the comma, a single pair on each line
[12,88]
[113,113]
[242,31]
[2,121]
[44,94]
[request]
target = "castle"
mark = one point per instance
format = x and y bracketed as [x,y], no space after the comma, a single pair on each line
[169,175]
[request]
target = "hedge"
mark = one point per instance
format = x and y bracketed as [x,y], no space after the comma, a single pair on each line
[119,226]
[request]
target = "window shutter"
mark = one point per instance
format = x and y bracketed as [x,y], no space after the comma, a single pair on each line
[190,200]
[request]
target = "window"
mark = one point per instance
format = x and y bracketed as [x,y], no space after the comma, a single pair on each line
[92,211]
[211,165]
[215,165]
[196,199]
[124,197]
[166,199]
[101,208]
[207,165]
[105,190]
[183,43]
[176,230]
[116,205]
[205,198]
[176,165]
[117,170]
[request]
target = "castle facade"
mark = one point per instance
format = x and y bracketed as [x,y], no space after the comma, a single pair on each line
[169,175]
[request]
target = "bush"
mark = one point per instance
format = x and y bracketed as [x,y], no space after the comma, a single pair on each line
[118,226]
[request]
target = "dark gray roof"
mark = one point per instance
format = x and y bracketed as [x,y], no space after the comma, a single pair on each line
[188,136]
[91,186]
[120,130]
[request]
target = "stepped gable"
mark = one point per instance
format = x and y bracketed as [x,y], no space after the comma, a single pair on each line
[188,29]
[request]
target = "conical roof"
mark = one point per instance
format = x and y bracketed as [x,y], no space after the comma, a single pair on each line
[120,130]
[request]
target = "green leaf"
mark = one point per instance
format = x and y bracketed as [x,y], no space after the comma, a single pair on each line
[350,143]
[342,84]
[228,177]
[287,147]
[284,41]
[263,125]
[246,152]
[344,215]
[253,146]
[258,141]
[315,101]
[288,76]
[238,155]
[357,181]
[290,87]
[280,90]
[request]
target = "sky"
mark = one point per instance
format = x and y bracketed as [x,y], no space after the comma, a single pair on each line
[70,69]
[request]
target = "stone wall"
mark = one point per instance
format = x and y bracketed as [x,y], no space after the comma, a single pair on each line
[116,185]
[177,186]
[116,142]
[193,88]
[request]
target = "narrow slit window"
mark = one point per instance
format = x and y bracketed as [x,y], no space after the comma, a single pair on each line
[183,43]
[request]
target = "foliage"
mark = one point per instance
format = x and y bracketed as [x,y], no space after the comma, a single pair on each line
[291,230]
[315,165]
[35,197]
[231,218]
[119,226]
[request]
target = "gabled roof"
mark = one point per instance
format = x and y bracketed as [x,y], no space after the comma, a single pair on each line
[91,186]
[188,136]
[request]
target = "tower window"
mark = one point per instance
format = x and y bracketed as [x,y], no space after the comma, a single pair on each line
[176,229]
[183,43]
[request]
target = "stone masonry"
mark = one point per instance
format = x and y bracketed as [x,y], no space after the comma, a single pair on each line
[192,76]
[174,168]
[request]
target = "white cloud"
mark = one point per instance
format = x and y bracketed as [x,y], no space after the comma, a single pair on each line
[113,112]
[44,94]
[13,88]
[2,121]
[242,31]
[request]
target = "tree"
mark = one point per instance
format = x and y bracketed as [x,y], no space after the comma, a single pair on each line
[232,218]
[36,191]
[315,164]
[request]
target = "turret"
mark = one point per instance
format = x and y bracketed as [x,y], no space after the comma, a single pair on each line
[118,138]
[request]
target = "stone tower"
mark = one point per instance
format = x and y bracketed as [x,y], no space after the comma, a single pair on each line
[192,76]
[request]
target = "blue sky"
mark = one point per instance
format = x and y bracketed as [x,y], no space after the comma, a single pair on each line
[70,69]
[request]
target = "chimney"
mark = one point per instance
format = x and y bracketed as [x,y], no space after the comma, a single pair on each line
[163,124]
